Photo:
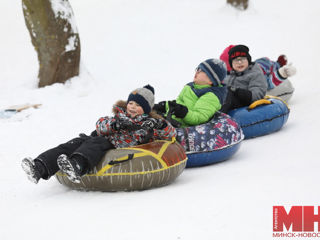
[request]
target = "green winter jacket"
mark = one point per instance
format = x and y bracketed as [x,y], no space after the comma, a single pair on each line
[200,109]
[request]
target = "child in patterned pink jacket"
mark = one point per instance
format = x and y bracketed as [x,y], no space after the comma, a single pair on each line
[134,123]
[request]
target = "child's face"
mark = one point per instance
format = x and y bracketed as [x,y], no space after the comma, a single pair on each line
[201,78]
[134,109]
[240,64]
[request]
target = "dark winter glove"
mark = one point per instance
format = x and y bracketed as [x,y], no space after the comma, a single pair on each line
[244,95]
[162,124]
[160,107]
[120,124]
[178,110]
[116,125]
[152,123]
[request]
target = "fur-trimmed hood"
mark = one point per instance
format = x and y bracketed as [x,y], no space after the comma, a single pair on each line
[123,105]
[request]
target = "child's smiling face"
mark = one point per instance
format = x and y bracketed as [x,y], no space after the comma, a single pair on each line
[201,78]
[240,64]
[134,109]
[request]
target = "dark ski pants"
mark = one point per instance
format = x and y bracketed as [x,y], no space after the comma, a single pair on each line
[231,102]
[91,148]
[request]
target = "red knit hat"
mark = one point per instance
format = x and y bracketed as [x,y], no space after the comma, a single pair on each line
[225,56]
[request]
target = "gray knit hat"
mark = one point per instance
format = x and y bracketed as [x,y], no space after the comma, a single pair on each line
[144,97]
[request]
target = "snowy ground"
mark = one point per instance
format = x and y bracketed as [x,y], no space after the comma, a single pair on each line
[127,44]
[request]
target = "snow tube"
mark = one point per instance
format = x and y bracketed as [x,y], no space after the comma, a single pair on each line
[134,168]
[212,142]
[262,117]
[283,90]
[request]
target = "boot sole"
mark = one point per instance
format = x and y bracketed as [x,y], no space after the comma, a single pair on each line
[67,168]
[28,168]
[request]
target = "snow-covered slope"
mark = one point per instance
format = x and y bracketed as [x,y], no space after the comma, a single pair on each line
[127,44]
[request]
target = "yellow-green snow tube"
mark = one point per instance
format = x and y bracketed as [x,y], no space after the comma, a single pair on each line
[135,168]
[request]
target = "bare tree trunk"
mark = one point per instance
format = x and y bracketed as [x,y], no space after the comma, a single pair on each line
[239,4]
[55,37]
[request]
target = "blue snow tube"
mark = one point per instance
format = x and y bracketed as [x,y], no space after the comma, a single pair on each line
[261,117]
[212,142]
[196,159]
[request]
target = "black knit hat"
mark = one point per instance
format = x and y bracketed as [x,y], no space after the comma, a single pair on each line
[239,51]
[144,97]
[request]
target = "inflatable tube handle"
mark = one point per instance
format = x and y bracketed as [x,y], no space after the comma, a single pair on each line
[279,98]
[258,103]
[130,157]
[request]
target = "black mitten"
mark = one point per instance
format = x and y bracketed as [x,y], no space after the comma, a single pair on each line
[121,124]
[116,125]
[160,107]
[179,110]
[161,124]
[150,123]
[244,95]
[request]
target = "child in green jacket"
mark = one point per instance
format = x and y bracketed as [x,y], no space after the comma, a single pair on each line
[199,100]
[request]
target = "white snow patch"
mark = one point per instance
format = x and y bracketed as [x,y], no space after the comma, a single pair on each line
[63,9]
[72,44]
[31,24]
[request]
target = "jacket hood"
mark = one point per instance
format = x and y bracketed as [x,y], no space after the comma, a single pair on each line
[119,104]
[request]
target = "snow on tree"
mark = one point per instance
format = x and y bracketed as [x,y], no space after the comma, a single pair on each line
[55,37]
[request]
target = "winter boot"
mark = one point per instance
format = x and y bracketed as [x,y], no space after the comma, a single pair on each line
[70,167]
[31,169]
[282,60]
